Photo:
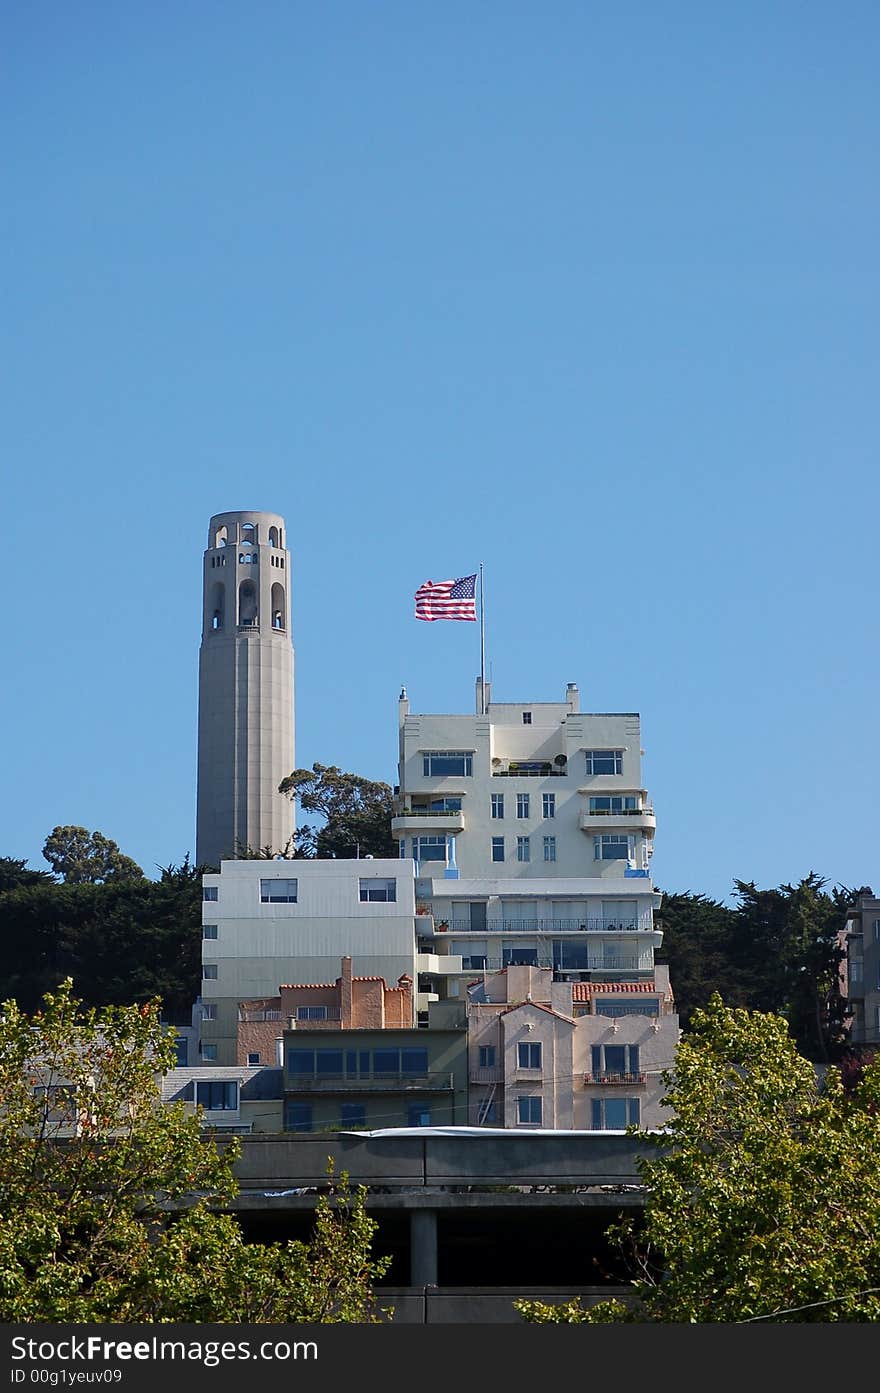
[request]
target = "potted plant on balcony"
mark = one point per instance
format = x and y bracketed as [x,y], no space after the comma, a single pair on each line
[442,926]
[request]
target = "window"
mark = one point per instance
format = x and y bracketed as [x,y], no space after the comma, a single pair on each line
[528,1054]
[549,848]
[209,971]
[297,1117]
[353,1115]
[609,1006]
[278,891]
[626,803]
[210,892]
[487,1113]
[529,1110]
[548,805]
[527,718]
[497,804]
[442,763]
[386,1061]
[429,849]
[522,849]
[522,805]
[444,805]
[414,1061]
[209,931]
[378,891]
[181,1051]
[209,1011]
[614,1061]
[209,1052]
[497,848]
[487,1056]
[220,1095]
[877,930]
[328,1062]
[604,761]
[609,848]
[254,1057]
[614,1114]
[856,966]
[418,1115]
[312,1013]
[301,1062]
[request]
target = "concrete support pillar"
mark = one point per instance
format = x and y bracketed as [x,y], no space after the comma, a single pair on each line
[423,1247]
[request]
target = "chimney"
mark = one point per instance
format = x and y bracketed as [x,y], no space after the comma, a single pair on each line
[345,994]
[573,697]
[484,693]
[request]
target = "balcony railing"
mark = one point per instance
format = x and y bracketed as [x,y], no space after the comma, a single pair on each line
[594,962]
[551,926]
[259,1017]
[548,771]
[486,1074]
[622,1080]
[367,1082]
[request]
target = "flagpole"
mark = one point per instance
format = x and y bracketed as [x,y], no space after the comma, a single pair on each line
[482,647]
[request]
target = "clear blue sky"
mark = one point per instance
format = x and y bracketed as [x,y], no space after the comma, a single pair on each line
[585,292]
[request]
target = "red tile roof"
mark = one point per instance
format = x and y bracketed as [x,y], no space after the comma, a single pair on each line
[582,991]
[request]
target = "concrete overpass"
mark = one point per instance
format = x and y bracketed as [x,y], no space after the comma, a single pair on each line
[472,1217]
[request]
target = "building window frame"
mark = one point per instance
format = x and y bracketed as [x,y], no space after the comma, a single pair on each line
[549,848]
[279,890]
[529,1054]
[447,764]
[497,806]
[603,762]
[377,890]
[497,848]
[529,1110]
[548,806]
[523,803]
[523,849]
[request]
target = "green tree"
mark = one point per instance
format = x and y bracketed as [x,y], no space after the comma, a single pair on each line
[15,873]
[776,950]
[762,1196]
[121,941]
[106,1195]
[356,811]
[81,857]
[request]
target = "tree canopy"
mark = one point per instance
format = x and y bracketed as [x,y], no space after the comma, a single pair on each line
[124,940]
[762,1197]
[81,857]
[107,1196]
[356,811]
[774,950]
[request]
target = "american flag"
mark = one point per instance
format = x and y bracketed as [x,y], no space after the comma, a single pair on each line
[447,599]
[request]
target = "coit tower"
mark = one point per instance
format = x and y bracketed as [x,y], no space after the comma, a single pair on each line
[245,689]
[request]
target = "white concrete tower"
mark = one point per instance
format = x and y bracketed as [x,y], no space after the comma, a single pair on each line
[246,742]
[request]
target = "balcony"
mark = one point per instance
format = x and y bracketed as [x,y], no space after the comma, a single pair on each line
[592,962]
[369,1083]
[425,821]
[486,1074]
[528,769]
[641,819]
[616,1080]
[596,924]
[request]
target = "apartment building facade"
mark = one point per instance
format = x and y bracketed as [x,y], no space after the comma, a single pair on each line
[267,922]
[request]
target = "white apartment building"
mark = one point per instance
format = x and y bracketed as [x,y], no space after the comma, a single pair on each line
[268,922]
[531,835]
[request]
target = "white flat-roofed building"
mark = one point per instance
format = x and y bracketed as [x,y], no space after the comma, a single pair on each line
[265,922]
[525,791]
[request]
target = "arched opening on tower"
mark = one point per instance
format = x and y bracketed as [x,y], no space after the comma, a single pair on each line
[279,607]
[274,537]
[221,537]
[249,533]
[247,605]
[218,605]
